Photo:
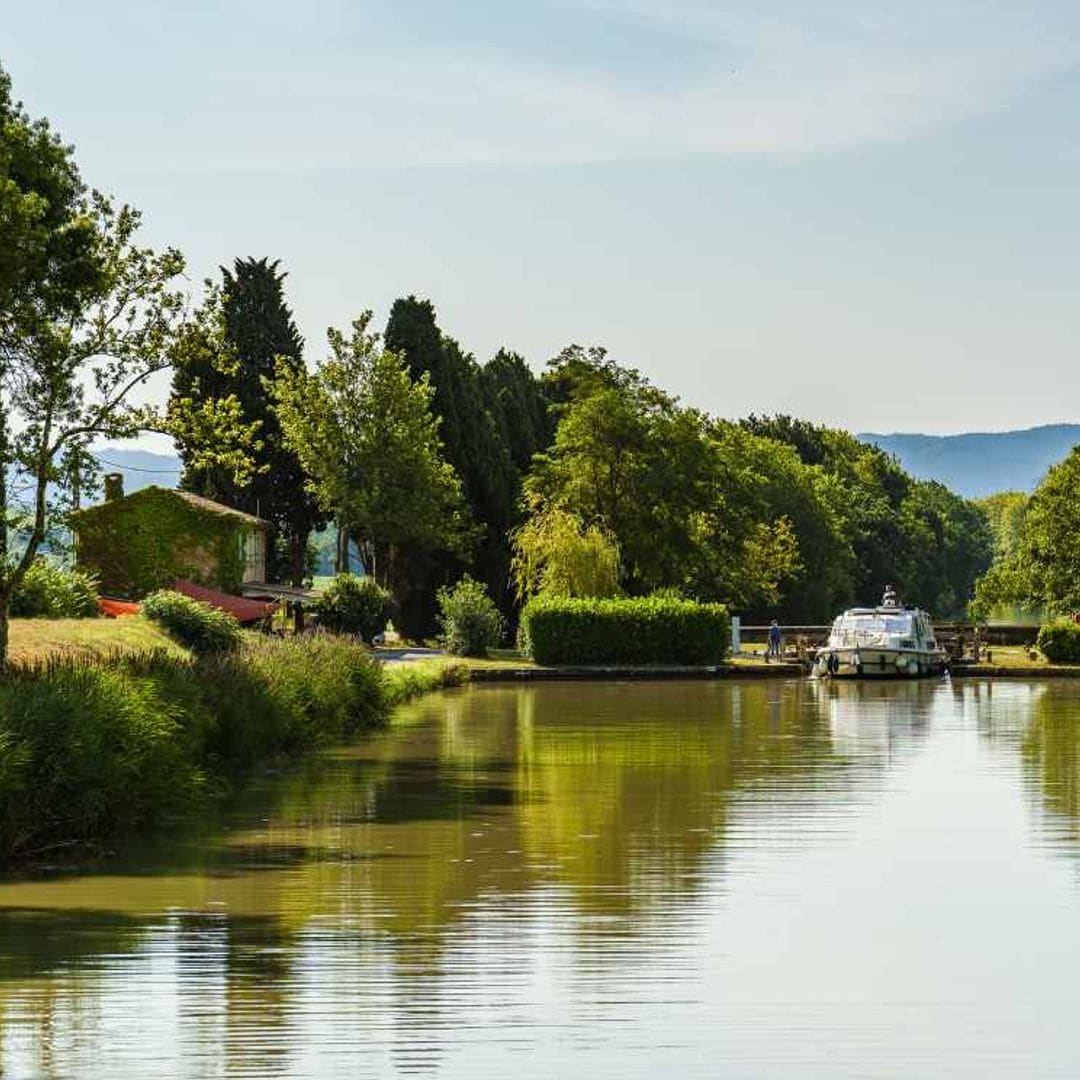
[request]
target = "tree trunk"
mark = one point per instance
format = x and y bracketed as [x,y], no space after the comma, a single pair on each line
[342,562]
[4,623]
[298,540]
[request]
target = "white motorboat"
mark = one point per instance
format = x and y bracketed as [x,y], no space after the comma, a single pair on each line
[889,641]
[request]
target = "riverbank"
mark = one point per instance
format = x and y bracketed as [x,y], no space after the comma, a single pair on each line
[92,749]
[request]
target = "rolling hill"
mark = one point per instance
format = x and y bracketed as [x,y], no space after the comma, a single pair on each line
[981,463]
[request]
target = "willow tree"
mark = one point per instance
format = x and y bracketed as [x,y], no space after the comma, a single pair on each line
[365,434]
[556,554]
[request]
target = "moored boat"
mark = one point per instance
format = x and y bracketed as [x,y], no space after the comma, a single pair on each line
[888,641]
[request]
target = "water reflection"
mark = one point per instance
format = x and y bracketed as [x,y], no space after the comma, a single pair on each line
[576,872]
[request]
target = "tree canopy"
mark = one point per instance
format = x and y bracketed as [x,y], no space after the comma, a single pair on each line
[364,431]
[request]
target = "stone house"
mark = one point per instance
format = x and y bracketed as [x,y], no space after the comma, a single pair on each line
[154,537]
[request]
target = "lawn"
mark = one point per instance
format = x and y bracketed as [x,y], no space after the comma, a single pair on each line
[38,639]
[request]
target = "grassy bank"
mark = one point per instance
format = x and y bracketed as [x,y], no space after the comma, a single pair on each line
[34,640]
[93,748]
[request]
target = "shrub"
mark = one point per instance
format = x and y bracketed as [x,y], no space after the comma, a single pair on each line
[653,630]
[199,627]
[1059,641]
[469,621]
[49,591]
[355,605]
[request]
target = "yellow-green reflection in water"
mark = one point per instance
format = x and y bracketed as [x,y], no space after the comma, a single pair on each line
[657,879]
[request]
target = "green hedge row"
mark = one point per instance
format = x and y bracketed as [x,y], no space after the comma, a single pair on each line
[653,630]
[1059,641]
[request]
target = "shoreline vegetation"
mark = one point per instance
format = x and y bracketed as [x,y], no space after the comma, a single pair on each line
[97,748]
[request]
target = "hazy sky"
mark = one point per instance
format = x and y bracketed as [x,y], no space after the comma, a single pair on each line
[860,212]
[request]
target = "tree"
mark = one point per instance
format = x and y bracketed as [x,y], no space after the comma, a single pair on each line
[49,265]
[555,553]
[1005,511]
[492,419]
[364,432]
[685,499]
[71,367]
[259,337]
[1042,570]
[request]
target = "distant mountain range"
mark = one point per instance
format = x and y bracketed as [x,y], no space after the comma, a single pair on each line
[981,463]
[140,468]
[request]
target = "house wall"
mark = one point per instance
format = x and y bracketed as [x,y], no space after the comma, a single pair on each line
[149,539]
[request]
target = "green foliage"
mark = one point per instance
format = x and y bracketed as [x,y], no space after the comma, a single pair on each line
[1005,512]
[365,433]
[87,316]
[653,630]
[153,537]
[197,626]
[258,338]
[886,526]
[404,682]
[1059,641]
[691,503]
[87,751]
[283,696]
[50,591]
[355,605]
[49,257]
[1041,571]
[492,419]
[556,555]
[469,621]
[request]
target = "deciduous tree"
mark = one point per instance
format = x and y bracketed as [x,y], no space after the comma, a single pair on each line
[364,432]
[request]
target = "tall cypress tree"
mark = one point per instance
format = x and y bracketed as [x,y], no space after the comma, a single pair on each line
[492,420]
[259,329]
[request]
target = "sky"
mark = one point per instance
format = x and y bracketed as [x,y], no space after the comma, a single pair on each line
[859,212]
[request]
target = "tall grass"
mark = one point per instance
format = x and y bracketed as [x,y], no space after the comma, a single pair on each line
[89,750]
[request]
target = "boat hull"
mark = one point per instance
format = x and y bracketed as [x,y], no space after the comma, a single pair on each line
[879,663]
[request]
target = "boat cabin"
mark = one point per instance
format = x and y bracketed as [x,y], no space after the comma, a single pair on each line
[883,627]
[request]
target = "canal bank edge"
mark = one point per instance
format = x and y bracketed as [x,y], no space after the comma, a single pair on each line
[503,674]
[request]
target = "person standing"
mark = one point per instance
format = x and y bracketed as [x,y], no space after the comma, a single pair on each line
[774,640]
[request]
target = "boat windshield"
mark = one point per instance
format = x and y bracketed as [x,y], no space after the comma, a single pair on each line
[878,624]
[871,628]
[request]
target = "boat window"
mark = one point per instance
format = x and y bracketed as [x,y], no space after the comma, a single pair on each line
[881,624]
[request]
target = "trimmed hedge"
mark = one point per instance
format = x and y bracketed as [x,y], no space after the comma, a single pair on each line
[197,626]
[1059,641]
[652,630]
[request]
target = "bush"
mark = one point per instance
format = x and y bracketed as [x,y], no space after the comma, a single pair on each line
[653,630]
[50,591]
[355,605]
[469,621]
[1059,641]
[199,627]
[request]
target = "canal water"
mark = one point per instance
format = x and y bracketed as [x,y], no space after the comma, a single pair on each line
[758,879]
